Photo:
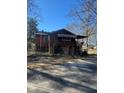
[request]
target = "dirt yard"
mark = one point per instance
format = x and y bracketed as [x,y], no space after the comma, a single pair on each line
[62,75]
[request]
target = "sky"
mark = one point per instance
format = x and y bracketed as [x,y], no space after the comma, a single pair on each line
[54,14]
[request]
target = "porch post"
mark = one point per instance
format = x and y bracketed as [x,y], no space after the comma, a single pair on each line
[49,44]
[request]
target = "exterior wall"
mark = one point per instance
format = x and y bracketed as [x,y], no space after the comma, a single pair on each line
[62,39]
[66,45]
[42,42]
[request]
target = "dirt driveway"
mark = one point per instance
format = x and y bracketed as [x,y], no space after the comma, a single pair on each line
[62,75]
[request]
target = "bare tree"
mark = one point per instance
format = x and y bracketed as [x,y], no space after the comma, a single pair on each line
[33,9]
[86,15]
[74,28]
[31,29]
[33,18]
[30,7]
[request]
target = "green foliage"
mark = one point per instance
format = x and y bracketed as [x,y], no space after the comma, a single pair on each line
[31,29]
[31,46]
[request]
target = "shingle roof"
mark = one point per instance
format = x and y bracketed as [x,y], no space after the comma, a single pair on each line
[42,33]
[60,31]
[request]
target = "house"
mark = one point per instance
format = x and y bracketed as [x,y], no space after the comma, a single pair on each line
[59,41]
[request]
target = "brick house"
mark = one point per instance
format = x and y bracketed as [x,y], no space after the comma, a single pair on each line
[56,40]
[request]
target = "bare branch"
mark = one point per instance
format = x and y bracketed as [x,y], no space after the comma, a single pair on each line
[87,15]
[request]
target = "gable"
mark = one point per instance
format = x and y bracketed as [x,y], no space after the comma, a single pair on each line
[63,31]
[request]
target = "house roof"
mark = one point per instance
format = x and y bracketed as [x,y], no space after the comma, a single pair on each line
[61,32]
[42,33]
[80,37]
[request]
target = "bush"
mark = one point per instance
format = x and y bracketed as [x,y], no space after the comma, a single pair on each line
[58,49]
[84,53]
[30,46]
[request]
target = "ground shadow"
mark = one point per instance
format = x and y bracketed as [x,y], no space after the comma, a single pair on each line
[63,83]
